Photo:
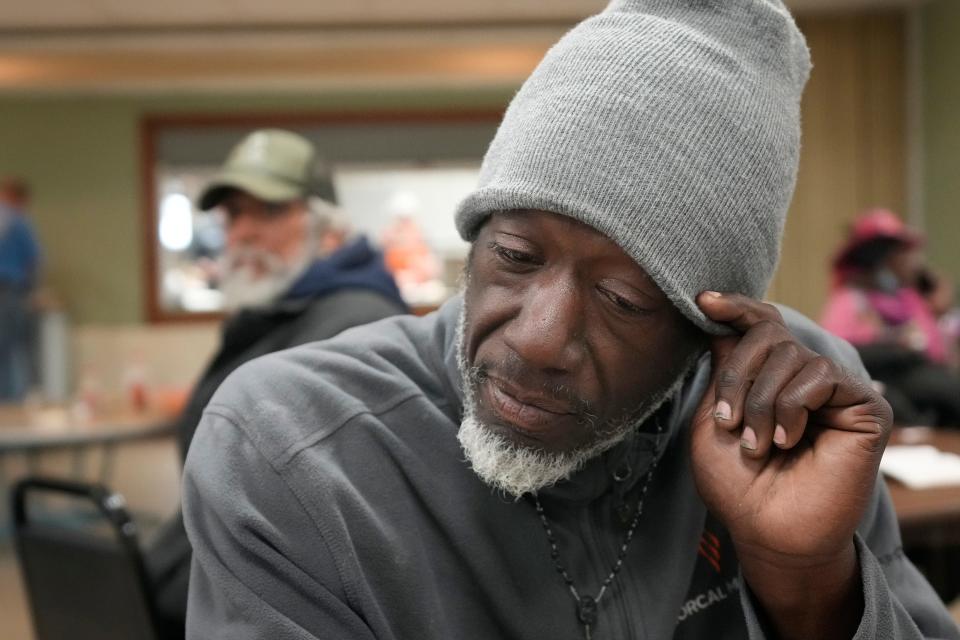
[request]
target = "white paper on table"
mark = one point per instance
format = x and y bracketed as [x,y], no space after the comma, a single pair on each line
[921,466]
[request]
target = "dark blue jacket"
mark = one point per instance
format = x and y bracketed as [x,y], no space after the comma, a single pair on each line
[356,265]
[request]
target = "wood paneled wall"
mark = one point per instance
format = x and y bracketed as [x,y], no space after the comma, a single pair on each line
[854,145]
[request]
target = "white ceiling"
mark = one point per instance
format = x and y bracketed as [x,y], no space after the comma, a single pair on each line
[150,14]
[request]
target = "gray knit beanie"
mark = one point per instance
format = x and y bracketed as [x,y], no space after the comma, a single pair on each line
[672,127]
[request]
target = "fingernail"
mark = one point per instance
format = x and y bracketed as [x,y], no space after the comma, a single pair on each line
[713,294]
[748,439]
[723,411]
[780,435]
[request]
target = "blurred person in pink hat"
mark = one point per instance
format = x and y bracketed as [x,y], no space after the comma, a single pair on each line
[875,304]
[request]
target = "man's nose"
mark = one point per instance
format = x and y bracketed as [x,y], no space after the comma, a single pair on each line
[548,332]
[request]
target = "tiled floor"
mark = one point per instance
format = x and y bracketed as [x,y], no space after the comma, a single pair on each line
[148,476]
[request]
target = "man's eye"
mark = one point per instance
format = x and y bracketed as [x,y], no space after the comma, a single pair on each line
[621,303]
[512,255]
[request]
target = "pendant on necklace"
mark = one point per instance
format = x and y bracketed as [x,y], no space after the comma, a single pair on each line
[587,611]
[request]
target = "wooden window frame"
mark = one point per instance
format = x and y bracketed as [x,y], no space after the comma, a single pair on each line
[153,126]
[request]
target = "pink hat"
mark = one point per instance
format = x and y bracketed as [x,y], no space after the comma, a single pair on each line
[875,224]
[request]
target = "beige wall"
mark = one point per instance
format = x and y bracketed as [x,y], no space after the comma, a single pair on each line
[171,356]
[854,146]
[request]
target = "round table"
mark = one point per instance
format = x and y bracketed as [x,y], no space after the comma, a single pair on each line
[32,430]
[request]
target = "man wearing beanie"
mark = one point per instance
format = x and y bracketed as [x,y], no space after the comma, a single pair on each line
[591,442]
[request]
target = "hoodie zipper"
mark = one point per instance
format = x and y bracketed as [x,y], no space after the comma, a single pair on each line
[623,512]
[615,620]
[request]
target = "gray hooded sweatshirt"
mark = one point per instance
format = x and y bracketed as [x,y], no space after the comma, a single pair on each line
[326,496]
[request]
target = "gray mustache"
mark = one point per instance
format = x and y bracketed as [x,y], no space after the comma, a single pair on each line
[513,369]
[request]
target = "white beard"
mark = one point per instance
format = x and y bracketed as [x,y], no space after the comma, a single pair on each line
[242,288]
[516,469]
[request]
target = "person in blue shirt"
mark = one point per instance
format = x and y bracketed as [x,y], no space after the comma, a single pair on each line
[19,265]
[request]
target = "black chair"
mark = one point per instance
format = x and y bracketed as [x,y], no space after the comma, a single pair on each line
[83,585]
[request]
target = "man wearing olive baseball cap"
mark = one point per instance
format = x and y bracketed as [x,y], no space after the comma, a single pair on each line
[265,188]
[288,277]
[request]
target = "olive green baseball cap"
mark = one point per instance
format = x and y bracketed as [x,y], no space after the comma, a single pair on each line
[272,165]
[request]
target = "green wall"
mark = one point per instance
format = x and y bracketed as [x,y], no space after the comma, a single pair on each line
[941,98]
[82,158]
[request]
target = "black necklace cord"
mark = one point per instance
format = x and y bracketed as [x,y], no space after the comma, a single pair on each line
[587,606]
